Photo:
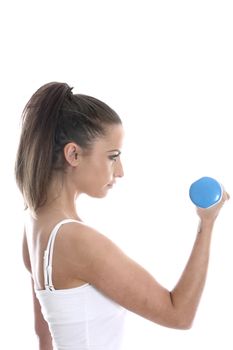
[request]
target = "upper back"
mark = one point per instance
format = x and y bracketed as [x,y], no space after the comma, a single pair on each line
[38,233]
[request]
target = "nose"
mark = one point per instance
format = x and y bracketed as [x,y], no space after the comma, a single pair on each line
[118,171]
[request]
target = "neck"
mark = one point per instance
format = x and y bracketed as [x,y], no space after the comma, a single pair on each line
[61,200]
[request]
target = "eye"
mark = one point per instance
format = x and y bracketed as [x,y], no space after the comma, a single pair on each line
[114,157]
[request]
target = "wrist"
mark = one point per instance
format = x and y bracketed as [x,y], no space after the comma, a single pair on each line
[206,225]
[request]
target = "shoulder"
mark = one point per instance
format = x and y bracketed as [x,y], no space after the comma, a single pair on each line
[88,253]
[86,249]
[82,237]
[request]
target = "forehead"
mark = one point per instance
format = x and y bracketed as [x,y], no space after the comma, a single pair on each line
[112,140]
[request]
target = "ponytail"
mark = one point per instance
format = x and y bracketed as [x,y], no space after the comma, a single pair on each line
[35,153]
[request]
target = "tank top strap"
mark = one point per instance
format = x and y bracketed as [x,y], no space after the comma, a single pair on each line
[48,254]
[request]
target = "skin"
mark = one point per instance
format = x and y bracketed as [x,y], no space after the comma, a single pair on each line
[83,254]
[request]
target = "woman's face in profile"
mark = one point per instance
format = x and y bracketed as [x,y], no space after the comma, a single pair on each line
[98,169]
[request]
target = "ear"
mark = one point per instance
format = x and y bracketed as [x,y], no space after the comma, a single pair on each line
[71,153]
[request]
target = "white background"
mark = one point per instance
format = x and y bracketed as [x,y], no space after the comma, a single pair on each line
[166,68]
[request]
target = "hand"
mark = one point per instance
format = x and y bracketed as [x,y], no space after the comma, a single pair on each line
[210,214]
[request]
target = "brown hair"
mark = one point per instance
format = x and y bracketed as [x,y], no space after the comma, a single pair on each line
[53,117]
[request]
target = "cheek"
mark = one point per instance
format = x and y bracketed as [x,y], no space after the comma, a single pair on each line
[103,171]
[99,173]
[96,180]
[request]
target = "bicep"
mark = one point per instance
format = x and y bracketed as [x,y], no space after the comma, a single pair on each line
[105,266]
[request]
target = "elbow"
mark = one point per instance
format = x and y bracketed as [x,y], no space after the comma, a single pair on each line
[177,321]
[180,324]
[189,324]
[182,317]
[184,322]
[185,325]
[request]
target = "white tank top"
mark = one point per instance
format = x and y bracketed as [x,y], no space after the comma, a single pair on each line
[80,318]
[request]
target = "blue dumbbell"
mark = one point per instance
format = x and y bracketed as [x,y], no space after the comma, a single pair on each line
[205,192]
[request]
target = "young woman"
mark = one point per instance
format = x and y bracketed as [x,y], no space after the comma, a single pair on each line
[82,282]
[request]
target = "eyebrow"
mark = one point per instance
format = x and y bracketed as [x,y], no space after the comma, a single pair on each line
[115,150]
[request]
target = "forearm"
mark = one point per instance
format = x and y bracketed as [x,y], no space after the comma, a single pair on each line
[187,293]
[43,334]
[41,326]
[45,343]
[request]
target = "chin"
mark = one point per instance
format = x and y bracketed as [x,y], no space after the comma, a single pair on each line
[100,194]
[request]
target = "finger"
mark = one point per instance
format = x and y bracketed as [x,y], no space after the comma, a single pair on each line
[225,196]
